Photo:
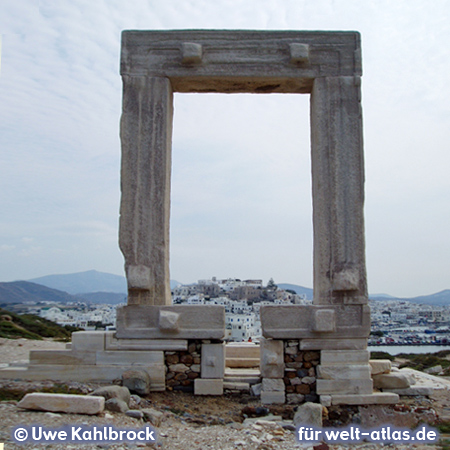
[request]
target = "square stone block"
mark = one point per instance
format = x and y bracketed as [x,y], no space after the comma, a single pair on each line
[88,341]
[204,386]
[272,397]
[355,386]
[394,380]
[169,321]
[213,361]
[325,400]
[142,358]
[379,366]
[328,357]
[192,53]
[273,385]
[62,357]
[350,372]
[272,358]
[377,398]
[299,53]
[333,344]
[325,321]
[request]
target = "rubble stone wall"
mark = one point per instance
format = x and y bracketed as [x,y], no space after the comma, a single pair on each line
[183,367]
[300,373]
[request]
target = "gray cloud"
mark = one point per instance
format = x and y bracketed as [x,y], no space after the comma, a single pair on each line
[241,183]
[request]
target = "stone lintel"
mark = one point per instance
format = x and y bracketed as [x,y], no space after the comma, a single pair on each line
[241,60]
[193,322]
[377,398]
[300,321]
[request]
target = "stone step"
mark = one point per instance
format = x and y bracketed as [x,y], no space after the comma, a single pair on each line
[249,380]
[242,372]
[241,362]
[241,355]
[248,376]
[242,351]
[236,386]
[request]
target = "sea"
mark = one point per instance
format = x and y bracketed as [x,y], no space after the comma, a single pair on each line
[396,349]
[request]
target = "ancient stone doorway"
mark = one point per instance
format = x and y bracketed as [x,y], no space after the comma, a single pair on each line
[327,65]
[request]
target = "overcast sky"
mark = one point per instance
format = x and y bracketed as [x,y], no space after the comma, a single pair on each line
[241,185]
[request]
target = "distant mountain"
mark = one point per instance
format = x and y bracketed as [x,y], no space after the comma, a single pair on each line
[374,296]
[298,289]
[88,282]
[24,291]
[440,298]
[81,282]
[111,298]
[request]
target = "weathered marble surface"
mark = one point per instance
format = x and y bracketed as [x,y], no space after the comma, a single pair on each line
[194,322]
[241,60]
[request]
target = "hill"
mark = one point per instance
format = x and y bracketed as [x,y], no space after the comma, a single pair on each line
[441,298]
[111,298]
[82,282]
[13,326]
[298,289]
[24,291]
[88,282]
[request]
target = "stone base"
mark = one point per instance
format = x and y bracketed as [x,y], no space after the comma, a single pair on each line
[205,386]
[413,391]
[96,356]
[170,322]
[345,387]
[272,397]
[377,398]
[242,355]
[83,373]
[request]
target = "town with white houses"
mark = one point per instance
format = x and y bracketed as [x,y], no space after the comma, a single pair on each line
[394,322]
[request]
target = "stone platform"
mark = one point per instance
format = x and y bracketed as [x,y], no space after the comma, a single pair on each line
[90,357]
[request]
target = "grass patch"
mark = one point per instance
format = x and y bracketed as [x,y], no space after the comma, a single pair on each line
[381,355]
[30,326]
[444,427]
[424,361]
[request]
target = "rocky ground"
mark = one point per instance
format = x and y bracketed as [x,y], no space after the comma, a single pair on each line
[188,422]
